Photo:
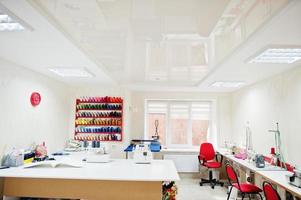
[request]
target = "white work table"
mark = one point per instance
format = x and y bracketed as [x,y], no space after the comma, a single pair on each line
[272,173]
[117,170]
[249,165]
[278,178]
[118,179]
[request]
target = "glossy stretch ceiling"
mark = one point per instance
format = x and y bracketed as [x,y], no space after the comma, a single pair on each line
[139,41]
[152,44]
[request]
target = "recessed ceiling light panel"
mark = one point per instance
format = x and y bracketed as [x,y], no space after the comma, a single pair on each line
[227,84]
[7,23]
[278,55]
[182,36]
[71,72]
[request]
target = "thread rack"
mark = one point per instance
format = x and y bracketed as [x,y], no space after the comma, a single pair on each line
[99,119]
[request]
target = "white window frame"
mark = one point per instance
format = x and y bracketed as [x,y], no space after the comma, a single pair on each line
[211,136]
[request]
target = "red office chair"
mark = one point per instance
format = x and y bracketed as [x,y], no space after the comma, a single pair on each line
[206,158]
[244,188]
[269,192]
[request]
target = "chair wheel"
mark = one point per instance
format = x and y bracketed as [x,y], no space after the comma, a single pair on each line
[222,184]
[201,184]
[212,186]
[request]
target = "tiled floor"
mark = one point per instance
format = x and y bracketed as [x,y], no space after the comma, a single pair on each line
[189,189]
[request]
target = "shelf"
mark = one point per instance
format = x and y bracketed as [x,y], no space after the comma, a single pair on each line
[99,110]
[96,125]
[104,102]
[96,133]
[101,117]
[103,140]
[91,139]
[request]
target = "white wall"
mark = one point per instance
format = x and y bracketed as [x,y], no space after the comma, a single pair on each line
[20,122]
[134,111]
[276,99]
[53,120]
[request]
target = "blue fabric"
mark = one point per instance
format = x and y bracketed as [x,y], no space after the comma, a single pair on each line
[154,147]
[129,148]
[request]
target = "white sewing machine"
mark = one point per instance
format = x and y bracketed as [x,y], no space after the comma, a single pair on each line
[142,154]
[98,155]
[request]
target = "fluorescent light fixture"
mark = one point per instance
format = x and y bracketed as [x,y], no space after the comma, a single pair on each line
[3,17]
[278,55]
[71,72]
[182,36]
[7,23]
[227,84]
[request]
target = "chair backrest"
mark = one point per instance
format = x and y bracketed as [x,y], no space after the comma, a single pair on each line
[232,176]
[269,192]
[207,151]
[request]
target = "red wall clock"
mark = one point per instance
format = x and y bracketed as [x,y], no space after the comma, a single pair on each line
[35,99]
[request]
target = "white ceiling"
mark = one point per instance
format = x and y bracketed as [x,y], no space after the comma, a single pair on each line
[127,37]
[44,47]
[125,41]
[283,30]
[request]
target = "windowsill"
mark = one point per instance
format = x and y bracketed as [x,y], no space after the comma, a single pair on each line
[191,150]
[182,148]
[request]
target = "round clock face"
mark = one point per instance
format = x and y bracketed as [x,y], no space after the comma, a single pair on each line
[35,99]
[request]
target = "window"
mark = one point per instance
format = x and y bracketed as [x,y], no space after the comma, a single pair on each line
[181,123]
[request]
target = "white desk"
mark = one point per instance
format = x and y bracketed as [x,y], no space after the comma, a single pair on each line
[119,179]
[272,173]
[119,170]
[249,165]
[278,178]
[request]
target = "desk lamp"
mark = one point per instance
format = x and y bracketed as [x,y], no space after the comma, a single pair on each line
[249,145]
[156,136]
[278,153]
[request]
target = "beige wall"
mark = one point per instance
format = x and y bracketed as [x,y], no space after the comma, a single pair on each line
[21,124]
[277,99]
